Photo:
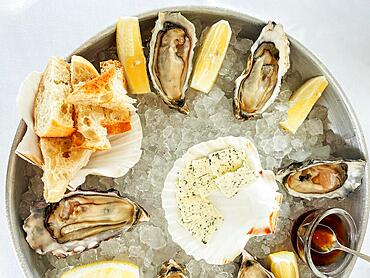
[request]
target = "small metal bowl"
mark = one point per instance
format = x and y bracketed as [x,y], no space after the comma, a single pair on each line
[341,116]
[303,238]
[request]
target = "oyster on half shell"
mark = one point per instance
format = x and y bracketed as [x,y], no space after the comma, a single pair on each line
[80,221]
[251,268]
[171,269]
[322,179]
[170,59]
[259,84]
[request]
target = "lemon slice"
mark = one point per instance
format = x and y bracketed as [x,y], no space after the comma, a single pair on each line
[131,55]
[211,55]
[283,264]
[302,101]
[105,269]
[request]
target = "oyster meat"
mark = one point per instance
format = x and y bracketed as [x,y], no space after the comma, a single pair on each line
[318,179]
[170,59]
[80,221]
[251,268]
[259,84]
[171,269]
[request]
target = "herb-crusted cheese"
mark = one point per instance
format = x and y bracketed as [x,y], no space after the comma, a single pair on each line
[203,228]
[222,170]
[231,183]
[196,169]
[226,160]
[185,190]
[195,207]
[205,185]
[200,218]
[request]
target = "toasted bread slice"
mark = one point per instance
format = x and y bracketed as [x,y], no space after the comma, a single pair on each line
[107,65]
[91,134]
[115,121]
[62,161]
[53,116]
[89,122]
[82,71]
[106,91]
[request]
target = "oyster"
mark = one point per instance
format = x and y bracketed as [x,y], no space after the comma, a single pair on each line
[259,84]
[171,269]
[318,179]
[80,221]
[170,59]
[251,268]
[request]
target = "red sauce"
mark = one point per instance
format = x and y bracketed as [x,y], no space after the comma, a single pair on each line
[321,238]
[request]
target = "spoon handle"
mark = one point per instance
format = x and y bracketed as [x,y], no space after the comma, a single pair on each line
[353,252]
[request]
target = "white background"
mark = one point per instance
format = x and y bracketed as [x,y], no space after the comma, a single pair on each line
[337,31]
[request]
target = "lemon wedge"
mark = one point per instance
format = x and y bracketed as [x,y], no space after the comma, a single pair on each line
[131,55]
[105,269]
[302,101]
[283,264]
[211,55]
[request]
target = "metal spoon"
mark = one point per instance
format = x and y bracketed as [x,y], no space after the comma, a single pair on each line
[333,244]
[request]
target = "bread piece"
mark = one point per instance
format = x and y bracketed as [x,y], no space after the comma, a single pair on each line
[115,121]
[91,134]
[106,91]
[82,71]
[89,122]
[62,161]
[107,65]
[53,116]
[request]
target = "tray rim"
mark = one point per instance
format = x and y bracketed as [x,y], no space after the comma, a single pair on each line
[12,219]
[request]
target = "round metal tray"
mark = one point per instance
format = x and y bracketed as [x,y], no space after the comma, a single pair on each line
[341,116]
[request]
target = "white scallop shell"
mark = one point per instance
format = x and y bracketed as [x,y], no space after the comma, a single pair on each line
[115,162]
[249,210]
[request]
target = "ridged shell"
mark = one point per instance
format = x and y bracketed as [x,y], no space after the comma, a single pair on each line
[273,33]
[40,238]
[171,269]
[178,20]
[355,173]
[250,267]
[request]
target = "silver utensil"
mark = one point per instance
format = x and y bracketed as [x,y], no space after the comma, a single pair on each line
[333,244]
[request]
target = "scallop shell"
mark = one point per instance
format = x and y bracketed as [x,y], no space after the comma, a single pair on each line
[251,212]
[115,162]
[355,172]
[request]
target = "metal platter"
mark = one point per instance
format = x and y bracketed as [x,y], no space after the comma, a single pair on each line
[341,116]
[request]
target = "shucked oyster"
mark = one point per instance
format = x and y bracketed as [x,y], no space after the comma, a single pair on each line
[317,179]
[170,60]
[259,84]
[171,269]
[80,221]
[251,268]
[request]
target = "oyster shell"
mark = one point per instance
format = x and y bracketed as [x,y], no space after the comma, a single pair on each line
[171,269]
[259,84]
[322,179]
[170,59]
[80,221]
[251,268]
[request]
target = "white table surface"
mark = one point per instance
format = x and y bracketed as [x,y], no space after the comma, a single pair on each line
[337,31]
